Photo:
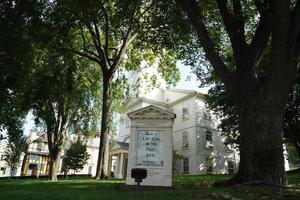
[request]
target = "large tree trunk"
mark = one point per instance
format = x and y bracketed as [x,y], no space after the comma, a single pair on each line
[24,164]
[54,164]
[101,172]
[261,139]
[260,97]
[55,149]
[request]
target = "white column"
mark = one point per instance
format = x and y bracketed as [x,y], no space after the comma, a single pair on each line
[109,165]
[117,166]
[120,166]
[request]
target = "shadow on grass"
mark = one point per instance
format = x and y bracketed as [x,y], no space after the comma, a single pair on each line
[184,187]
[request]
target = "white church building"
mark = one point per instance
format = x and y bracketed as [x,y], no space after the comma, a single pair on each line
[197,142]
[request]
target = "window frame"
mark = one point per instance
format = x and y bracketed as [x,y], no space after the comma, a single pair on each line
[185,165]
[209,165]
[230,170]
[185,115]
[185,140]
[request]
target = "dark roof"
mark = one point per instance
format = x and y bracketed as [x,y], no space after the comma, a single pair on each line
[123,145]
[42,138]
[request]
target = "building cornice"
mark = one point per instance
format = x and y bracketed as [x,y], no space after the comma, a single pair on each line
[191,94]
[143,99]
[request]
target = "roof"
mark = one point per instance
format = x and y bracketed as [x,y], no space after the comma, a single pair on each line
[151,112]
[118,147]
[123,145]
[42,138]
[170,97]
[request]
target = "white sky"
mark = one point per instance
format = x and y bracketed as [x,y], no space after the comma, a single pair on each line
[193,83]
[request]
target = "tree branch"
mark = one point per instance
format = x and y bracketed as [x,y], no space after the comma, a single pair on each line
[263,31]
[126,42]
[193,11]
[239,18]
[97,43]
[86,55]
[261,36]
[127,39]
[233,24]
[295,18]
[84,43]
[106,30]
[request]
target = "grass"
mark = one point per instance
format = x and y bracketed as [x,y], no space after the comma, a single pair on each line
[184,187]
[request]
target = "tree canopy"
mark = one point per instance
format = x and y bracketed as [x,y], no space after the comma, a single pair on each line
[235,36]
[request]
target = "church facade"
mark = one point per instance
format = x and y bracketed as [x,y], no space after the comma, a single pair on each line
[198,145]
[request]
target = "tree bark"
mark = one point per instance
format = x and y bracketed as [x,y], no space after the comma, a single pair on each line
[101,172]
[55,147]
[261,140]
[260,103]
[23,164]
[54,164]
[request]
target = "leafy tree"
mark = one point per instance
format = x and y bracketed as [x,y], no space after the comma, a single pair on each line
[65,90]
[76,156]
[260,95]
[17,19]
[16,145]
[222,102]
[111,34]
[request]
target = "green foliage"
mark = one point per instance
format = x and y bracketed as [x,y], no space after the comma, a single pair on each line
[112,20]
[16,145]
[293,156]
[292,114]
[17,19]
[108,34]
[65,90]
[64,86]
[76,156]
[221,100]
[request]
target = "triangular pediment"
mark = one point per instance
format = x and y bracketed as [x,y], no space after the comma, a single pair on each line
[151,112]
[118,145]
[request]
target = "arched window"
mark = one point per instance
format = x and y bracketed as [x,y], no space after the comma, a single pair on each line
[209,136]
[185,140]
[185,112]
[209,139]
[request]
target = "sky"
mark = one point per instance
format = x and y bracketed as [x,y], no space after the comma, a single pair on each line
[192,83]
[185,71]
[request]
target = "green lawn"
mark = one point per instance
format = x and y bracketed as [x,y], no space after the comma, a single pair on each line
[185,187]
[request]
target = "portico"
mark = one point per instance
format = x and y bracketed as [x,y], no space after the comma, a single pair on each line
[118,159]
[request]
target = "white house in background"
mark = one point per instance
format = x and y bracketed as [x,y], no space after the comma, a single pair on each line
[195,134]
[92,150]
[36,160]
[4,169]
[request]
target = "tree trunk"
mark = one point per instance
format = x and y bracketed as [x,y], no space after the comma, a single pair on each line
[23,164]
[261,140]
[297,145]
[101,172]
[54,164]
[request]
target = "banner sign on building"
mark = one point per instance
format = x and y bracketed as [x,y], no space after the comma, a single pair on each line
[150,148]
